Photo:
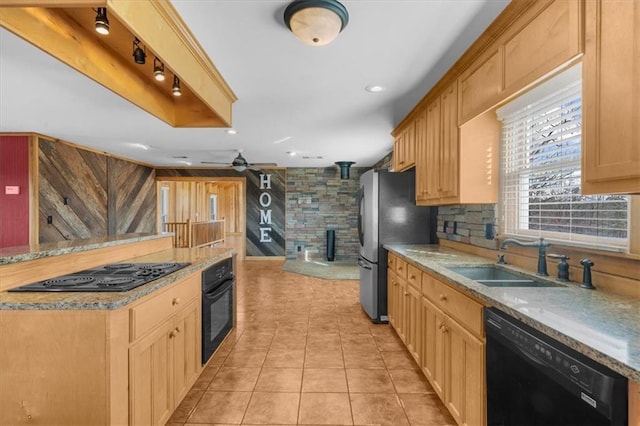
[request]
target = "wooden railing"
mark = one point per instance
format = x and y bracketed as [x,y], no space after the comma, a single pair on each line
[195,234]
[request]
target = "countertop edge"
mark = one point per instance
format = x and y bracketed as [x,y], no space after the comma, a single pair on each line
[126,298]
[80,247]
[571,341]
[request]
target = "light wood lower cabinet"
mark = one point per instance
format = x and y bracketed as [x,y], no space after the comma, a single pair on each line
[131,365]
[442,329]
[163,366]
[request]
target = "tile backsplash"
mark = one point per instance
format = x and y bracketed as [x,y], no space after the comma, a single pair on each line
[473,224]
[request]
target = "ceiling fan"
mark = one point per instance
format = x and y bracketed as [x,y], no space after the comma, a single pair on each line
[240,164]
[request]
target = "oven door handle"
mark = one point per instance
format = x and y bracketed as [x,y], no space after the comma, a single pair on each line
[226,285]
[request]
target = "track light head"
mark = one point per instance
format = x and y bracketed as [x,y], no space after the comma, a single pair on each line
[158,69]
[102,22]
[176,87]
[139,55]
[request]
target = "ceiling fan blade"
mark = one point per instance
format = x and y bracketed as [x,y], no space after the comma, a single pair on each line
[215,162]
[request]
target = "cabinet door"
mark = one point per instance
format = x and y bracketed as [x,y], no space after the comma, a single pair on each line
[481,85]
[408,140]
[464,395]
[413,322]
[433,360]
[422,157]
[149,378]
[611,98]
[548,38]
[186,340]
[392,299]
[397,153]
[401,306]
[449,171]
[433,143]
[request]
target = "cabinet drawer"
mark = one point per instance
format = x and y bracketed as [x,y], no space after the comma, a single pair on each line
[462,308]
[414,276]
[157,309]
[391,262]
[401,268]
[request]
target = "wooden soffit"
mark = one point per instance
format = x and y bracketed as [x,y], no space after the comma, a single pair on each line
[65,30]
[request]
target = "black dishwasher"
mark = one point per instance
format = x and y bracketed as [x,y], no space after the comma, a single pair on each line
[217,306]
[533,379]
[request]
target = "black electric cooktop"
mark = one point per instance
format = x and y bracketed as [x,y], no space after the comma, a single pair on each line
[113,277]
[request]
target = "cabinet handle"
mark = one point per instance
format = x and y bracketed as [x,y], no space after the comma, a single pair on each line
[412,277]
[175,301]
[443,297]
[406,294]
[172,334]
[445,329]
[178,329]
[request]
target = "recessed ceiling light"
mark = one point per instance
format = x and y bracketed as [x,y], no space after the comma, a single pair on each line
[375,89]
[232,131]
[291,153]
[188,163]
[141,146]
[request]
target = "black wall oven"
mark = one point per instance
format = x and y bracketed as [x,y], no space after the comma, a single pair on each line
[533,379]
[217,306]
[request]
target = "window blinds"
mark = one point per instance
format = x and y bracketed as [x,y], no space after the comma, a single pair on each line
[540,185]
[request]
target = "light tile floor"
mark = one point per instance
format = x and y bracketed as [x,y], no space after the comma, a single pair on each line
[305,353]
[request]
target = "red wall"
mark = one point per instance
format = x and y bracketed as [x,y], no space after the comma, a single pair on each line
[14,209]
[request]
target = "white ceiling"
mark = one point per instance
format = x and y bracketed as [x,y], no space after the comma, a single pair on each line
[313,96]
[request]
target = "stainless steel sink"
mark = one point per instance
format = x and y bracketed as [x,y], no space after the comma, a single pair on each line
[493,276]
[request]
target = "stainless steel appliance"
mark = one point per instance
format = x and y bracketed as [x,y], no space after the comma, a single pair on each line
[112,277]
[534,380]
[217,306]
[387,214]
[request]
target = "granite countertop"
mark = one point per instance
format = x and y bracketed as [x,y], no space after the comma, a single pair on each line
[603,326]
[24,253]
[199,258]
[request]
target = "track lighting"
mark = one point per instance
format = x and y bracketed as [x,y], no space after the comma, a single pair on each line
[139,54]
[158,69]
[176,87]
[102,22]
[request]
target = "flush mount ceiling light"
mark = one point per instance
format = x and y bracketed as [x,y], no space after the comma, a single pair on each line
[176,87]
[158,69]
[374,89]
[102,22]
[139,55]
[316,22]
[232,132]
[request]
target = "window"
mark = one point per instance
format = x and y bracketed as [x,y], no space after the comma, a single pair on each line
[164,204]
[213,207]
[540,164]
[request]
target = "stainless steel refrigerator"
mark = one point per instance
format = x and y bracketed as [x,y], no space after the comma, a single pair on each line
[387,214]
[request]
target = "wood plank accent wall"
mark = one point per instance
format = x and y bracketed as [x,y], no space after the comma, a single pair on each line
[14,208]
[80,176]
[132,197]
[106,195]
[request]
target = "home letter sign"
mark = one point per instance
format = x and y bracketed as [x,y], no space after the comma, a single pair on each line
[265,212]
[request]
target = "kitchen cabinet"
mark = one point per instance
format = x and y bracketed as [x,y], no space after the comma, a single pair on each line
[454,349]
[438,152]
[442,328]
[164,363]
[404,155]
[544,38]
[611,98]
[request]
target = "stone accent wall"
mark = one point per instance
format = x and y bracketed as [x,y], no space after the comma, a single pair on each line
[318,200]
[385,163]
[467,223]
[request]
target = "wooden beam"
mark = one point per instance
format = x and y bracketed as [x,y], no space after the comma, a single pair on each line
[178,47]
[64,29]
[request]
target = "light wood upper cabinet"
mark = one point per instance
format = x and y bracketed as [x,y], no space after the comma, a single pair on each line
[482,84]
[545,37]
[437,165]
[548,37]
[404,152]
[611,98]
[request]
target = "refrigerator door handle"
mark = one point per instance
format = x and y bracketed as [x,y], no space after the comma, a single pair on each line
[360,218]
[363,265]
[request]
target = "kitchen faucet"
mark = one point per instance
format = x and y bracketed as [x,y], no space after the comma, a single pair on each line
[542,251]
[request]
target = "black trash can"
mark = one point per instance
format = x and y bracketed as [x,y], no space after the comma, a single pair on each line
[331,245]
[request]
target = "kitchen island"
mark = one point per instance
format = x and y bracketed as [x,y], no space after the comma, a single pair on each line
[103,358]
